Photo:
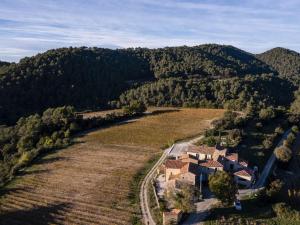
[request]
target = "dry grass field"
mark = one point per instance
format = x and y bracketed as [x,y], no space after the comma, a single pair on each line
[89,182]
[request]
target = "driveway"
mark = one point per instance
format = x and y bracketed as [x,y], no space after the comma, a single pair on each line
[202,209]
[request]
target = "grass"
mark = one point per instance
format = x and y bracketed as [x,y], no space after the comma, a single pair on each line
[98,178]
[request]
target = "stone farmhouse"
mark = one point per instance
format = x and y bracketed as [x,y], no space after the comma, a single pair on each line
[198,161]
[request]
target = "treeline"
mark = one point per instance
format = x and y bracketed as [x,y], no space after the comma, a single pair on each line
[21,143]
[53,129]
[88,78]
[285,61]
[81,77]
[258,92]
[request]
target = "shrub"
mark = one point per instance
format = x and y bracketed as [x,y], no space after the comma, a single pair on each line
[268,143]
[295,129]
[274,188]
[281,209]
[279,130]
[290,140]
[267,113]
[210,141]
[283,154]
[284,211]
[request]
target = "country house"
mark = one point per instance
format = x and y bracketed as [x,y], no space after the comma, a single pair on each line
[204,160]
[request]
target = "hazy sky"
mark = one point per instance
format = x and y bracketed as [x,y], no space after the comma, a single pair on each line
[31,26]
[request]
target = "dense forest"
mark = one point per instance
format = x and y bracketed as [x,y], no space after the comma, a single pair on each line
[90,78]
[234,93]
[285,61]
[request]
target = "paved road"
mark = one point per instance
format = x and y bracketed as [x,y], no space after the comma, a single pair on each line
[203,207]
[267,169]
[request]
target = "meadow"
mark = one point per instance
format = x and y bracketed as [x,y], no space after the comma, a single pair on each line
[91,181]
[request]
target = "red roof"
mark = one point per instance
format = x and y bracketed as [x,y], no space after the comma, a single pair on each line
[211,163]
[201,149]
[244,173]
[243,163]
[174,164]
[232,156]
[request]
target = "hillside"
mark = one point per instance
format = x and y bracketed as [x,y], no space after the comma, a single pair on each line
[233,93]
[210,60]
[91,77]
[285,61]
[95,181]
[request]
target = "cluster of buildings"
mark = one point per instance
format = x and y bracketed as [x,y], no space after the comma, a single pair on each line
[195,164]
[202,161]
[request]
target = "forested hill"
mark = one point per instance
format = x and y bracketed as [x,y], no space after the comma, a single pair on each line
[91,77]
[285,61]
[205,60]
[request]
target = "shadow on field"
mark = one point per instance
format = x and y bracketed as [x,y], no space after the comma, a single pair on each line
[35,216]
[157,112]
[33,172]
[50,160]
[6,191]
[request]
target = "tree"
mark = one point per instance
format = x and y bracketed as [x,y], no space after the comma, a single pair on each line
[290,140]
[274,188]
[267,113]
[295,129]
[183,199]
[223,186]
[283,153]
[135,108]
[267,143]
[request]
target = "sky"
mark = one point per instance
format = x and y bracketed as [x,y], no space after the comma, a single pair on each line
[28,27]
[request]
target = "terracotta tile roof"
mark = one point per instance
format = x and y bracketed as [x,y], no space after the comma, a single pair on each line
[232,156]
[188,158]
[243,163]
[244,173]
[174,164]
[201,149]
[211,163]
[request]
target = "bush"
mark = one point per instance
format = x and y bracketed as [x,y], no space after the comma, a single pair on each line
[267,113]
[279,130]
[284,211]
[295,129]
[290,140]
[274,189]
[283,154]
[135,108]
[268,143]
